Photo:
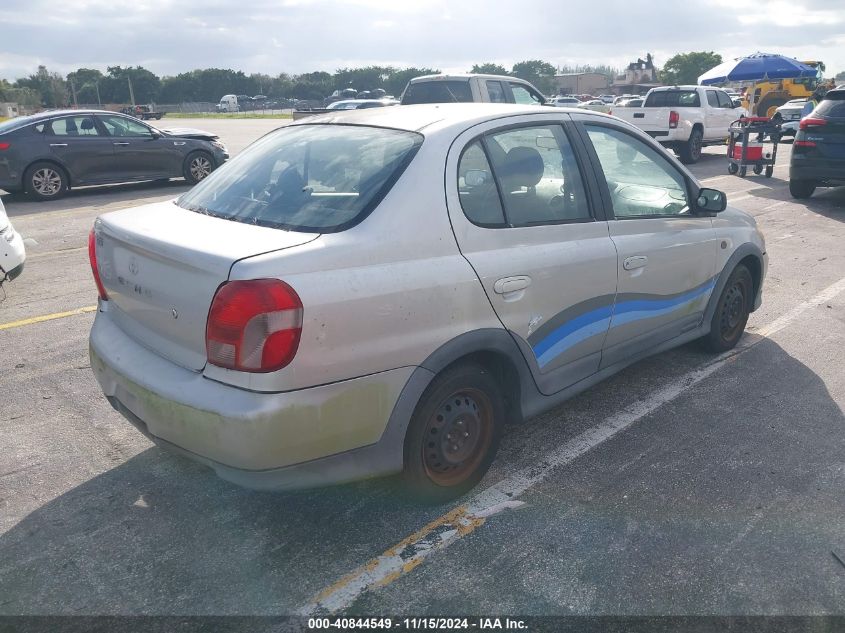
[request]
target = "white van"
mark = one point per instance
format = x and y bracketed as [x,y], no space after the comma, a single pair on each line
[12,251]
[228,103]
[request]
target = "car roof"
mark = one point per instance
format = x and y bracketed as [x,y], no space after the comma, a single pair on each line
[23,121]
[445,77]
[415,118]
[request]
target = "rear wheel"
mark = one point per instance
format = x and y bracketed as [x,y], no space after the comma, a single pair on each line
[743,171]
[733,168]
[45,181]
[732,310]
[198,165]
[801,188]
[691,150]
[454,433]
[758,169]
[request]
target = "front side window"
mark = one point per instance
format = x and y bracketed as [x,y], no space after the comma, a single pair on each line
[313,178]
[74,126]
[121,126]
[641,181]
[457,91]
[522,95]
[724,100]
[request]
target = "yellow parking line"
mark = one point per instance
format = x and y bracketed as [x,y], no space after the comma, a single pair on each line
[46,317]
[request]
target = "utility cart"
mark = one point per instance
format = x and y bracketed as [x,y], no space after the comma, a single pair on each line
[742,151]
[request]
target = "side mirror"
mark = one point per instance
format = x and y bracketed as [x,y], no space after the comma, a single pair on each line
[155,133]
[711,200]
[475,177]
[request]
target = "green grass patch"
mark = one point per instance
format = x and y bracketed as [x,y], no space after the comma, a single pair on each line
[224,115]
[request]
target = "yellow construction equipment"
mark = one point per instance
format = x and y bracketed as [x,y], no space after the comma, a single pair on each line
[769,95]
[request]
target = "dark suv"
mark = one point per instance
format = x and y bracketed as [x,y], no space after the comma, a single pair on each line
[818,154]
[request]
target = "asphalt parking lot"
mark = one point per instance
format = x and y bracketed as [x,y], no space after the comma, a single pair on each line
[686,484]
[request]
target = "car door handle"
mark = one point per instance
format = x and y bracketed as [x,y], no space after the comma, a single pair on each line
[58,144]
[511,284]
[120,143]
[637,261]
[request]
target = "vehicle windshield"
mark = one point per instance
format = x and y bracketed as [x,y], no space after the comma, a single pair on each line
[673,99]
[437,92]
[313,178]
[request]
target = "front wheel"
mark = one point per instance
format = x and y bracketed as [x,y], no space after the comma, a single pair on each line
[691,150]
[198,165]
[733,168]
[801,188]
[454,433]
[732,310]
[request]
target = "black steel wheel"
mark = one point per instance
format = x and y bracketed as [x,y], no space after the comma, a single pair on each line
[733,168]
[732,310]
[454,433]
[45,181]
[758,169]
[743,171]
[198,165]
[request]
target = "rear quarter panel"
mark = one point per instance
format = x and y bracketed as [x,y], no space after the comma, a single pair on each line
[382,295]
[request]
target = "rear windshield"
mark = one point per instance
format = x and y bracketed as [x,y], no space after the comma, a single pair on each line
[17,122]
[833,105]
[312,178]
[437,92]
[673,99]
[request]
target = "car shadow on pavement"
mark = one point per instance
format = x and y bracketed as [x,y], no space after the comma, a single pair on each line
[161,535]
[826,201]
[130,193]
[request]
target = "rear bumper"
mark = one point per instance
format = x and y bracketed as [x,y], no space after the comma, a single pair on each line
[826,170]
[310,437]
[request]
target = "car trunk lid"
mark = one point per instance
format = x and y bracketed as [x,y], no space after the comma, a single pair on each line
[161,266]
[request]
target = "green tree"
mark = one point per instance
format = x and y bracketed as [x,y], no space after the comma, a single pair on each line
[86,81]
[50,87]
[26,97]
[489,68]
[538,72]
[399,79]
[685,68]
[114,88]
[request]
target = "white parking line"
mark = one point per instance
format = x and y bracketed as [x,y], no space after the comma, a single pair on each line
[462,520]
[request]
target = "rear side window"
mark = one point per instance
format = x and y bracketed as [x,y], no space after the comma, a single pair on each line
[523,95]
[74,126]
[537,176]
[833,105]
[724,100]
[457,91]
[496,92]
[673,99]
[312,178]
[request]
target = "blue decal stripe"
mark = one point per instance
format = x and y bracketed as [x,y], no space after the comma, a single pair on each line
[568,328]
[598,320]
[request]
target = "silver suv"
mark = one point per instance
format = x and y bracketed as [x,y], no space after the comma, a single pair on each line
[380,291]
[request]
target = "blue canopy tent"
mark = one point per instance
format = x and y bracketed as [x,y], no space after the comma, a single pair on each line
[757,67]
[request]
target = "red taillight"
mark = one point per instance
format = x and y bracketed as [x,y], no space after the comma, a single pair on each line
[811,122]
[674,118]
[92,256]
[803,144]
[4,146]
[253,325]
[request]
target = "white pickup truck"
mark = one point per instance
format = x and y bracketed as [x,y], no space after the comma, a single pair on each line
[684,118]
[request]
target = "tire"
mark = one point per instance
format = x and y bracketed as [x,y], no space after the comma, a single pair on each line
[464,401]
[45,181]
[691,150]
[733,168]
[743,171]
[732,310]
[801,189]
[197,166]
[769,171]
[758,169]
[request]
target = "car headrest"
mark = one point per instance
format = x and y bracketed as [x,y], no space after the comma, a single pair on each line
[523,167]
[87,124]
